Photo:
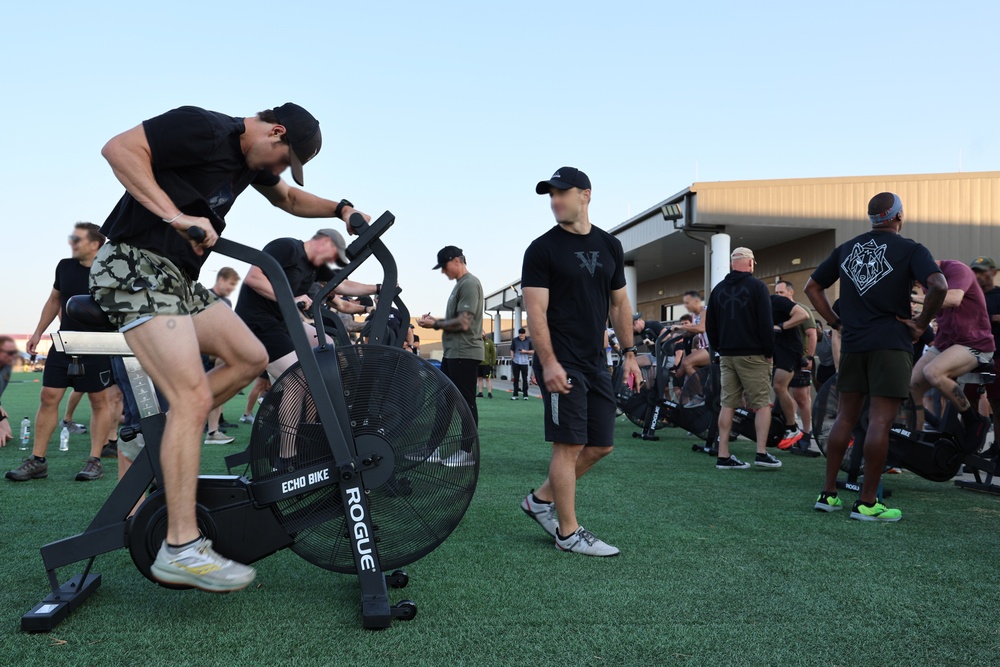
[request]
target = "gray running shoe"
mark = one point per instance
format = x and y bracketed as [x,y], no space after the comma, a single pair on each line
[422,455]
[32,468]
[460,459]
[201,567]
[218,438]
[74,428]
[585,542]
[543,513]
[92,470]
[247,419]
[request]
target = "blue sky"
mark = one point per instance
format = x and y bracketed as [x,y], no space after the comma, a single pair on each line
[448,113]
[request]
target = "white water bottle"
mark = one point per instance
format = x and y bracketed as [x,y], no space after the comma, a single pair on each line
[64,440]
[25,433]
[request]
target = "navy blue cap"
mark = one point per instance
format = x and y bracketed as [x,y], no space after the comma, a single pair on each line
[564,179]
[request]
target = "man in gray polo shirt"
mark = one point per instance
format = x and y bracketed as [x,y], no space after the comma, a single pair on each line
[462,340]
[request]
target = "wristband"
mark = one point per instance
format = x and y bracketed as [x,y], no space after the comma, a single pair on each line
[835,325]
[171,220]
[2,417]
[435,325]
[378,289]
[633,350]
[340,207]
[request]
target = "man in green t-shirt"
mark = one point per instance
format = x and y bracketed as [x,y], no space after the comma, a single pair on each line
[486,367]
[462,340]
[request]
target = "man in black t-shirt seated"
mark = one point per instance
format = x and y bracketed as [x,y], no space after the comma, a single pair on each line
[185,169]
[787,315]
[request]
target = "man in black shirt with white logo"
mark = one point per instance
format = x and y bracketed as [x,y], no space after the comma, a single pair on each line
[185,169]
[573,277]
[876,271]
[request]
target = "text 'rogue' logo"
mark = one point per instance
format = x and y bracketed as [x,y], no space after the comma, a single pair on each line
[362,540]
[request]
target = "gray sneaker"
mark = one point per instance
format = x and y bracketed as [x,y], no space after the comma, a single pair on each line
[460,459]
[543,513]
[585,542]
[201,567]
[92,470]
[218,438]
[422,455]
[32,468]
[74,428]
[247,419]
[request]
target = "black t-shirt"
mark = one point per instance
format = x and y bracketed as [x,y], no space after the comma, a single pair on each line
[993,308]
[876,272]
[789,340]
[259,311]
[580,271]
[72,279]
[651,332]
[198,162]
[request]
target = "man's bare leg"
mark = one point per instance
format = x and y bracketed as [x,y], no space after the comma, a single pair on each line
[560,486]
[803,401]
[950,364]
[782,379]
[74,400]
[100,420]
[692,362]
[221,333]
[46,418]
[725,428]
[851,404]
[762,424]
[881,414]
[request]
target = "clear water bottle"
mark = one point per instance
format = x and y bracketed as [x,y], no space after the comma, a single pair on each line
[25,434]
[64,440]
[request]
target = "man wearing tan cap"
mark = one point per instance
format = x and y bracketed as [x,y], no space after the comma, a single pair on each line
[740,330]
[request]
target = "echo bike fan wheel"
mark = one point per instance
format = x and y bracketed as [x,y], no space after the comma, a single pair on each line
[401,408]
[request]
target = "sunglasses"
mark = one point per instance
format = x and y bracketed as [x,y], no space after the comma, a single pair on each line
[9,352]
[75,239]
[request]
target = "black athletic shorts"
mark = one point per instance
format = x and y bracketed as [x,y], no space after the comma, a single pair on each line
[584,416]
[276,340]
[485,371]
[97,373]
[786,361]
[802,378]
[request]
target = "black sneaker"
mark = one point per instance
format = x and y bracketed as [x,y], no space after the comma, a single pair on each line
[766,460]
[224,424]
[110,451]
[32,468]
[479,395]
[732,463]
[92,470]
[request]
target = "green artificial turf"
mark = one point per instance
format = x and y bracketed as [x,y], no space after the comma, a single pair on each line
[717,568]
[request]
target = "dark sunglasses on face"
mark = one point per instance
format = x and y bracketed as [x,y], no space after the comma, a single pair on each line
[75,239]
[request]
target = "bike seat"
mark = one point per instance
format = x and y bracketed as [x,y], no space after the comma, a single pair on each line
[85,310]
[988,367]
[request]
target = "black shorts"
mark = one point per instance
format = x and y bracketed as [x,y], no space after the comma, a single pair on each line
[584,416]
[276,340]
[97,373]
[485,371]
[802,378]
[787,361]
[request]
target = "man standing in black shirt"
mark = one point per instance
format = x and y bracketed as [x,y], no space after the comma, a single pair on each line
[986,270]
[185,169]
[71,280]
[787,315]
[573,277]
[740,329]
[876,271]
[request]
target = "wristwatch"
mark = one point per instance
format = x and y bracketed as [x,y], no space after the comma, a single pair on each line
[835,325]
[340,207]
[633,350]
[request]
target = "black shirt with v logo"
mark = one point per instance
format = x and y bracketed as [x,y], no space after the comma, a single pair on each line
[580,271]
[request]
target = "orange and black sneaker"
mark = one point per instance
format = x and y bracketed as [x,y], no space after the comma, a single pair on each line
[792,435]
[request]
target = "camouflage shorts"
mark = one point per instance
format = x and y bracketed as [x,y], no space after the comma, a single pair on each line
[132,285]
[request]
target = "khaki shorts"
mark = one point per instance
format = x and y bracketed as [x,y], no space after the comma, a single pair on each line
[750,375]
[884,373]
[132,285]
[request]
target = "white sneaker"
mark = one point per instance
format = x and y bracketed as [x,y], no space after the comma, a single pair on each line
[433,457]
[543,513]
[459,459]
[525,397]
[247,419]
[200,566]
[585,542]
[218,438]
[513,398]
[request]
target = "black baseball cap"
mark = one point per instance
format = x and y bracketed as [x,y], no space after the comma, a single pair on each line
[302,133]
[446,254]
[564,179]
